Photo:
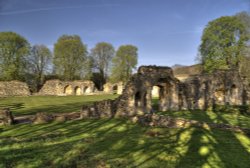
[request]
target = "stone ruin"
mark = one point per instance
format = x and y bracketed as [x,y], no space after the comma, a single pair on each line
[113,88]
[6,117]
[13,88]
[60,88]
[197,92]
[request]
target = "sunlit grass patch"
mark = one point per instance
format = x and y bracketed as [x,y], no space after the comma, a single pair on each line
[49,104]
[212,117]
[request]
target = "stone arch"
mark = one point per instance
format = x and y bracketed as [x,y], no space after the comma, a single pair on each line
[68,90]
[86,89]
[78,90]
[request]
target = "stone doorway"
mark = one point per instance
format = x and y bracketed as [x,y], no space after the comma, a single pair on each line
[140,100]
[155,98]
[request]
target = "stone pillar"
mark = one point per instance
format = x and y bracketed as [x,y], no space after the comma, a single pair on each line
[163,99]
[174,104]
[149,101]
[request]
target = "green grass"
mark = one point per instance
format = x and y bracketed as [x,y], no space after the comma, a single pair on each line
[119,143]
[219,117]
[49,104]
[234,119]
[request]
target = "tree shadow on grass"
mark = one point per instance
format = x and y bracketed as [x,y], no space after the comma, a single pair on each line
[210,147]
[119,143]
[62,108]
[13,106]
[109,141]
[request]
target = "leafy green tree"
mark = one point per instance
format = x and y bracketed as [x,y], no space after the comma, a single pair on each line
[102,55]
[14,49]
[87,72]
[244,17]
[39,64]
[69,57]
[223,42]
[124,63]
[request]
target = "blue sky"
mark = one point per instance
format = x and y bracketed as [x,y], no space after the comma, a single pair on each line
[166,32]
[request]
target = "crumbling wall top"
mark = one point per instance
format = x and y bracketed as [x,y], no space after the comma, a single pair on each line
[153,69]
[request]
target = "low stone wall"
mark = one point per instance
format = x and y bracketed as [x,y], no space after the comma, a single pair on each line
[115,88]
[60,88]
[105,108]
[155,120]
[13,88]
[6,117]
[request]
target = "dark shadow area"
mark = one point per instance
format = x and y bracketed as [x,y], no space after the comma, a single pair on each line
[13,106]
[155,104]
[211,143]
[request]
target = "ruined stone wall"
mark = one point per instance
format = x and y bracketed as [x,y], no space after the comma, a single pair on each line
[13,88]
[219,88]
[114,88]
[57,87]
[197,92]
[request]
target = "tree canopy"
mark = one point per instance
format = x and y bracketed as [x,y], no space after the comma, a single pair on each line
[69,56]
[102,55]
[223,42]
[14,50]
[39,63]
[124,63]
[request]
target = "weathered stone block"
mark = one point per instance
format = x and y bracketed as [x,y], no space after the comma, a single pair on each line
[6,117]
[42,118]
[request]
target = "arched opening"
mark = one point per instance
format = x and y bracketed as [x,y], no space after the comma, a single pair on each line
[234,94]
[140,99]
[137,99]
[68,90]
[155,92]
[86,89]
[219,96]
[78,90]
[114,89]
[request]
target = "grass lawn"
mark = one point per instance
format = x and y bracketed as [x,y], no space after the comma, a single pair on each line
[49,104]
[231,118]
[119,143]
[212,117]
